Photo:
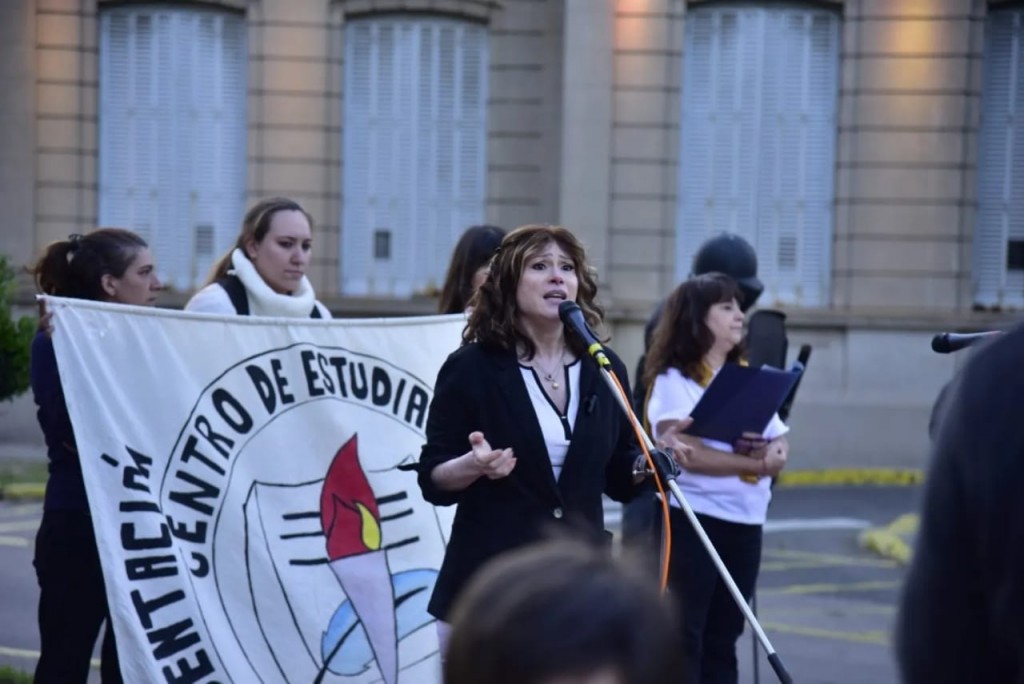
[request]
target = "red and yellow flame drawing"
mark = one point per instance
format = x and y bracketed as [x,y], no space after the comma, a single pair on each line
[351,523]
[348,509]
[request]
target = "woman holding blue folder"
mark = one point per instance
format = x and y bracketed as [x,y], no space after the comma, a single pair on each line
[727,485]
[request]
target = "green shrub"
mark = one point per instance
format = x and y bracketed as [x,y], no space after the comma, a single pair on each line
[15,338]
[8,675]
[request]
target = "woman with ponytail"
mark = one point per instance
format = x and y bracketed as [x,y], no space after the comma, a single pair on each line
[110,265]
[264,274]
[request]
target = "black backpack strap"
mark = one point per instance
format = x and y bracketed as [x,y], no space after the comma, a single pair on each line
[240,300]
[236,293]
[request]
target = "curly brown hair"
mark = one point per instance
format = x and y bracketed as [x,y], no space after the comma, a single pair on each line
[682,338]
[494,322]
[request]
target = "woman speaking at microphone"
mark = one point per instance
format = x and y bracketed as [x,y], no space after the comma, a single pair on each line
[522,432]
[728,486]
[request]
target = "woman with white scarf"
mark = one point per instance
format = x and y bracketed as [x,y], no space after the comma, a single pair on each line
[265,273]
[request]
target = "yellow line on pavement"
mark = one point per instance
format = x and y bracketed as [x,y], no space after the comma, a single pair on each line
[829,588]
[890,541]
[778,612]
[33,655]
[876,637]
[15,491]
[851,476]
[830,558]
[781,566]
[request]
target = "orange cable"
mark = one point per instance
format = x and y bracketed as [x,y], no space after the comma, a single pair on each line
[667,536]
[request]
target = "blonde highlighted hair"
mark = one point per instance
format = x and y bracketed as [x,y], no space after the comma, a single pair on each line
[255,226]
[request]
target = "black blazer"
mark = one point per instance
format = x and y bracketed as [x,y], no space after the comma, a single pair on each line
[484,390]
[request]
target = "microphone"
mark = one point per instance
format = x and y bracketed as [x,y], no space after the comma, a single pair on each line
[572,317]
[944,343]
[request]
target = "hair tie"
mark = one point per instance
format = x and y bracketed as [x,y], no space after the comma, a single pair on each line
[74,242]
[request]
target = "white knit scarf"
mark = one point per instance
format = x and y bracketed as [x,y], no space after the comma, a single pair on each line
[263,301]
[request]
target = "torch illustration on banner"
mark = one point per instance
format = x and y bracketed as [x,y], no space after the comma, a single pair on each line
[351,525]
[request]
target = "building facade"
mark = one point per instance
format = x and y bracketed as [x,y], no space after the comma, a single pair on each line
[867,148]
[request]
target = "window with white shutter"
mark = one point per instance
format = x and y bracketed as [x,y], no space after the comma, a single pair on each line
[414,138]
[172,132]
[758,137]
[999,232]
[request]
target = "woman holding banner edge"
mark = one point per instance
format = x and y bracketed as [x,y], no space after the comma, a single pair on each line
[112,265]
[522,433]
[728,486]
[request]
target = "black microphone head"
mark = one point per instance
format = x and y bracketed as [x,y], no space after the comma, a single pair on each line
[567,309]
[945,343]
[940,344]
[573,319]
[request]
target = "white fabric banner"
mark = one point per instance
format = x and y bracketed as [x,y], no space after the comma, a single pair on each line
[242,472]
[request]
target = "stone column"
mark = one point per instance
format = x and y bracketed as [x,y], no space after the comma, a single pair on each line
[584,202]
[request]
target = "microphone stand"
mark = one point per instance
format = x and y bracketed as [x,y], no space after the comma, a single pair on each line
[667,477]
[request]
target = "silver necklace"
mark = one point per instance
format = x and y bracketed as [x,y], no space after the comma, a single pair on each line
[551,377]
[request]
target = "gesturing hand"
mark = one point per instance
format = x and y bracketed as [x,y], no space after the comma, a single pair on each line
[672,441]
[45,319]
[494,463]
[750,444]
[774,455]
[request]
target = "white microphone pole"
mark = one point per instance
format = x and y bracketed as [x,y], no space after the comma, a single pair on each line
[573,318]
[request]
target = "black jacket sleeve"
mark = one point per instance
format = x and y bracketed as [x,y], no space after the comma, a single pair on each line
[449,423]
[49,396]
[619,472]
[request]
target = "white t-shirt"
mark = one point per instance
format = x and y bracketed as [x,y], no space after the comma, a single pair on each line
[673,397]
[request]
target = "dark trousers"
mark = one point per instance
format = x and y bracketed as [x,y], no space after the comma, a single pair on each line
[638,518]
[709,616]
[72,601]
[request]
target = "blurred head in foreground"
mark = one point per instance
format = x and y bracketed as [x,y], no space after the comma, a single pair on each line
[561,612]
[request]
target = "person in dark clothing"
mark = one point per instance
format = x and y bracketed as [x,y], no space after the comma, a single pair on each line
[726,253]
[111,265]
[960,613]
[469,266]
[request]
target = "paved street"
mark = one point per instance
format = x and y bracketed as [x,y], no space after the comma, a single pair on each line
[826,604]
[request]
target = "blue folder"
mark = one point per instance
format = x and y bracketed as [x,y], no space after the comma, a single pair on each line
[740,399]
